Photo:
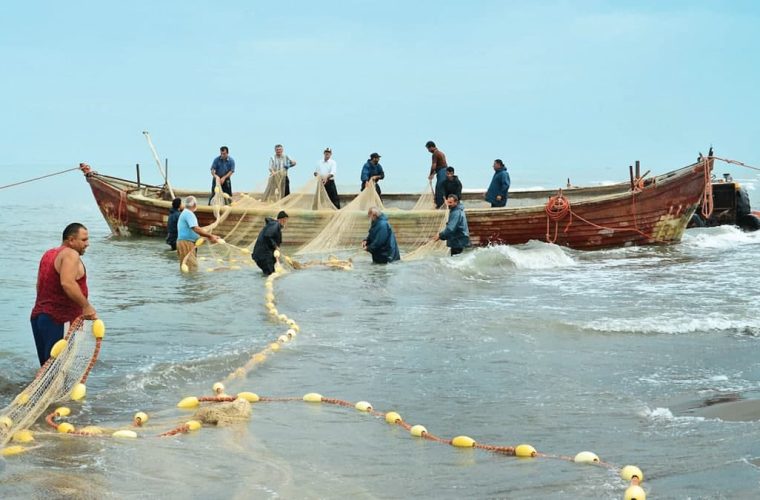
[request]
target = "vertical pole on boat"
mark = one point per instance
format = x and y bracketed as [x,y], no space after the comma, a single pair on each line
[630,171]
[137,167]
[166,170]
[158,163]
[638,169]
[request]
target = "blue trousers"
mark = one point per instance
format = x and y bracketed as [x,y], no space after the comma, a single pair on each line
[440,176]
[46,333]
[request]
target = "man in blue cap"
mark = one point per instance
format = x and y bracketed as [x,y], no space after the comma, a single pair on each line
[372,171]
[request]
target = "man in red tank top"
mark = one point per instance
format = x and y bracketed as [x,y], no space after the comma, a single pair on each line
[61,290]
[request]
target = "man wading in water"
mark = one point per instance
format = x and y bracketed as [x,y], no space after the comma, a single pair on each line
[61,290]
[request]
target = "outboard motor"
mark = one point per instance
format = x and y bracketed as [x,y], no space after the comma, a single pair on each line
[745,219]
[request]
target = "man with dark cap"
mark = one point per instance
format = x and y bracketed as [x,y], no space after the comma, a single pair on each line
[372,171]
[269,240]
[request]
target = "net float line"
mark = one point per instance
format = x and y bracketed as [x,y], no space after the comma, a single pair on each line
[61,377]
[629,473]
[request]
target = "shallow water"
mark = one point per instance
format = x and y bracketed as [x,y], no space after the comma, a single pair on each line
[610,351]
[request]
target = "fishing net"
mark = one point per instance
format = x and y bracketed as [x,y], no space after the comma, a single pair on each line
[219,256]
[348,227]
[332,237]
[57,380]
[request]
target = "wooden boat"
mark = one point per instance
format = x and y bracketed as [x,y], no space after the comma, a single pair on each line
[655,210]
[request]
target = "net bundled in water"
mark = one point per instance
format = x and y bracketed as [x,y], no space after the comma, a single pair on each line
[328,231]
[54,382]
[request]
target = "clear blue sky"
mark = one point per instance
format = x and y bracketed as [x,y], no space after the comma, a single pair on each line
[555,88]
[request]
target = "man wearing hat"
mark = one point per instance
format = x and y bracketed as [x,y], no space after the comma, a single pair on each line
[373,171]
[269,240]
[326,172]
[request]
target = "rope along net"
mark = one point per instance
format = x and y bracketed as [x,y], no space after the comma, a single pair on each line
[60,378]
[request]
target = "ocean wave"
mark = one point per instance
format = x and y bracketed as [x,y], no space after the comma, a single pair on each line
[531,255]
[720,237]
[665,415]
[672,325]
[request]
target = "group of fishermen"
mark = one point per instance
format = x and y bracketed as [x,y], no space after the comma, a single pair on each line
[183,228]
[446,181]
[62,293]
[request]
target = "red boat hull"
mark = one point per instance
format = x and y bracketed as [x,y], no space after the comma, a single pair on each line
[656,213]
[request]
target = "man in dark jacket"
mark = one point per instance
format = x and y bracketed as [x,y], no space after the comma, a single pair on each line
[372,171]
[456,233]
[380,242]
[497,193]
[171,223]
[451,185]
[269,240]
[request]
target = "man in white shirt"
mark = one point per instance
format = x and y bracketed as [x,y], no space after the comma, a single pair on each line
[281,162]
[326,172]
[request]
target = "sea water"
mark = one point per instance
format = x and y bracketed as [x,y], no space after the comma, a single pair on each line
[619,352]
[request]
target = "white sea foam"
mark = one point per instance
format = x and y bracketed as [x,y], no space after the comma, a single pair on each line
[670,324]
[532,255]
[720,237]
[661,415]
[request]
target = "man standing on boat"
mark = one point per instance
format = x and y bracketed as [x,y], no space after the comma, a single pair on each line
[373,171]
[188,232]
[281,163]
[456,233]
[380,242]
[437,171]
[498,191]
[452,184]
[326,172]
[61,290]
[269,241]
[221,170]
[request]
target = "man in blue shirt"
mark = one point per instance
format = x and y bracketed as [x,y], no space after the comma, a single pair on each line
[188,232]
[221,170]
[498,191]
[372,171]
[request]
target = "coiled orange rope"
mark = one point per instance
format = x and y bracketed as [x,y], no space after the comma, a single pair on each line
[557,209]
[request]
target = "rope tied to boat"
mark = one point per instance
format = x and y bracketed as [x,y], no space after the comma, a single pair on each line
[38,178]
[557,209]
[707,194]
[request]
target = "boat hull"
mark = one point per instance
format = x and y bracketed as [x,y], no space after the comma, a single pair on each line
[655,213]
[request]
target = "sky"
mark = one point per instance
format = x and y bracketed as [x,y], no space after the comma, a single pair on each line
[557,89]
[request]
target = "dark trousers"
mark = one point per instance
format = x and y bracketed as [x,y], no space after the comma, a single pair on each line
[226,188]
[287,187]
[46,333]
[440,176]
[332,192]
[456,251]
[266,265]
